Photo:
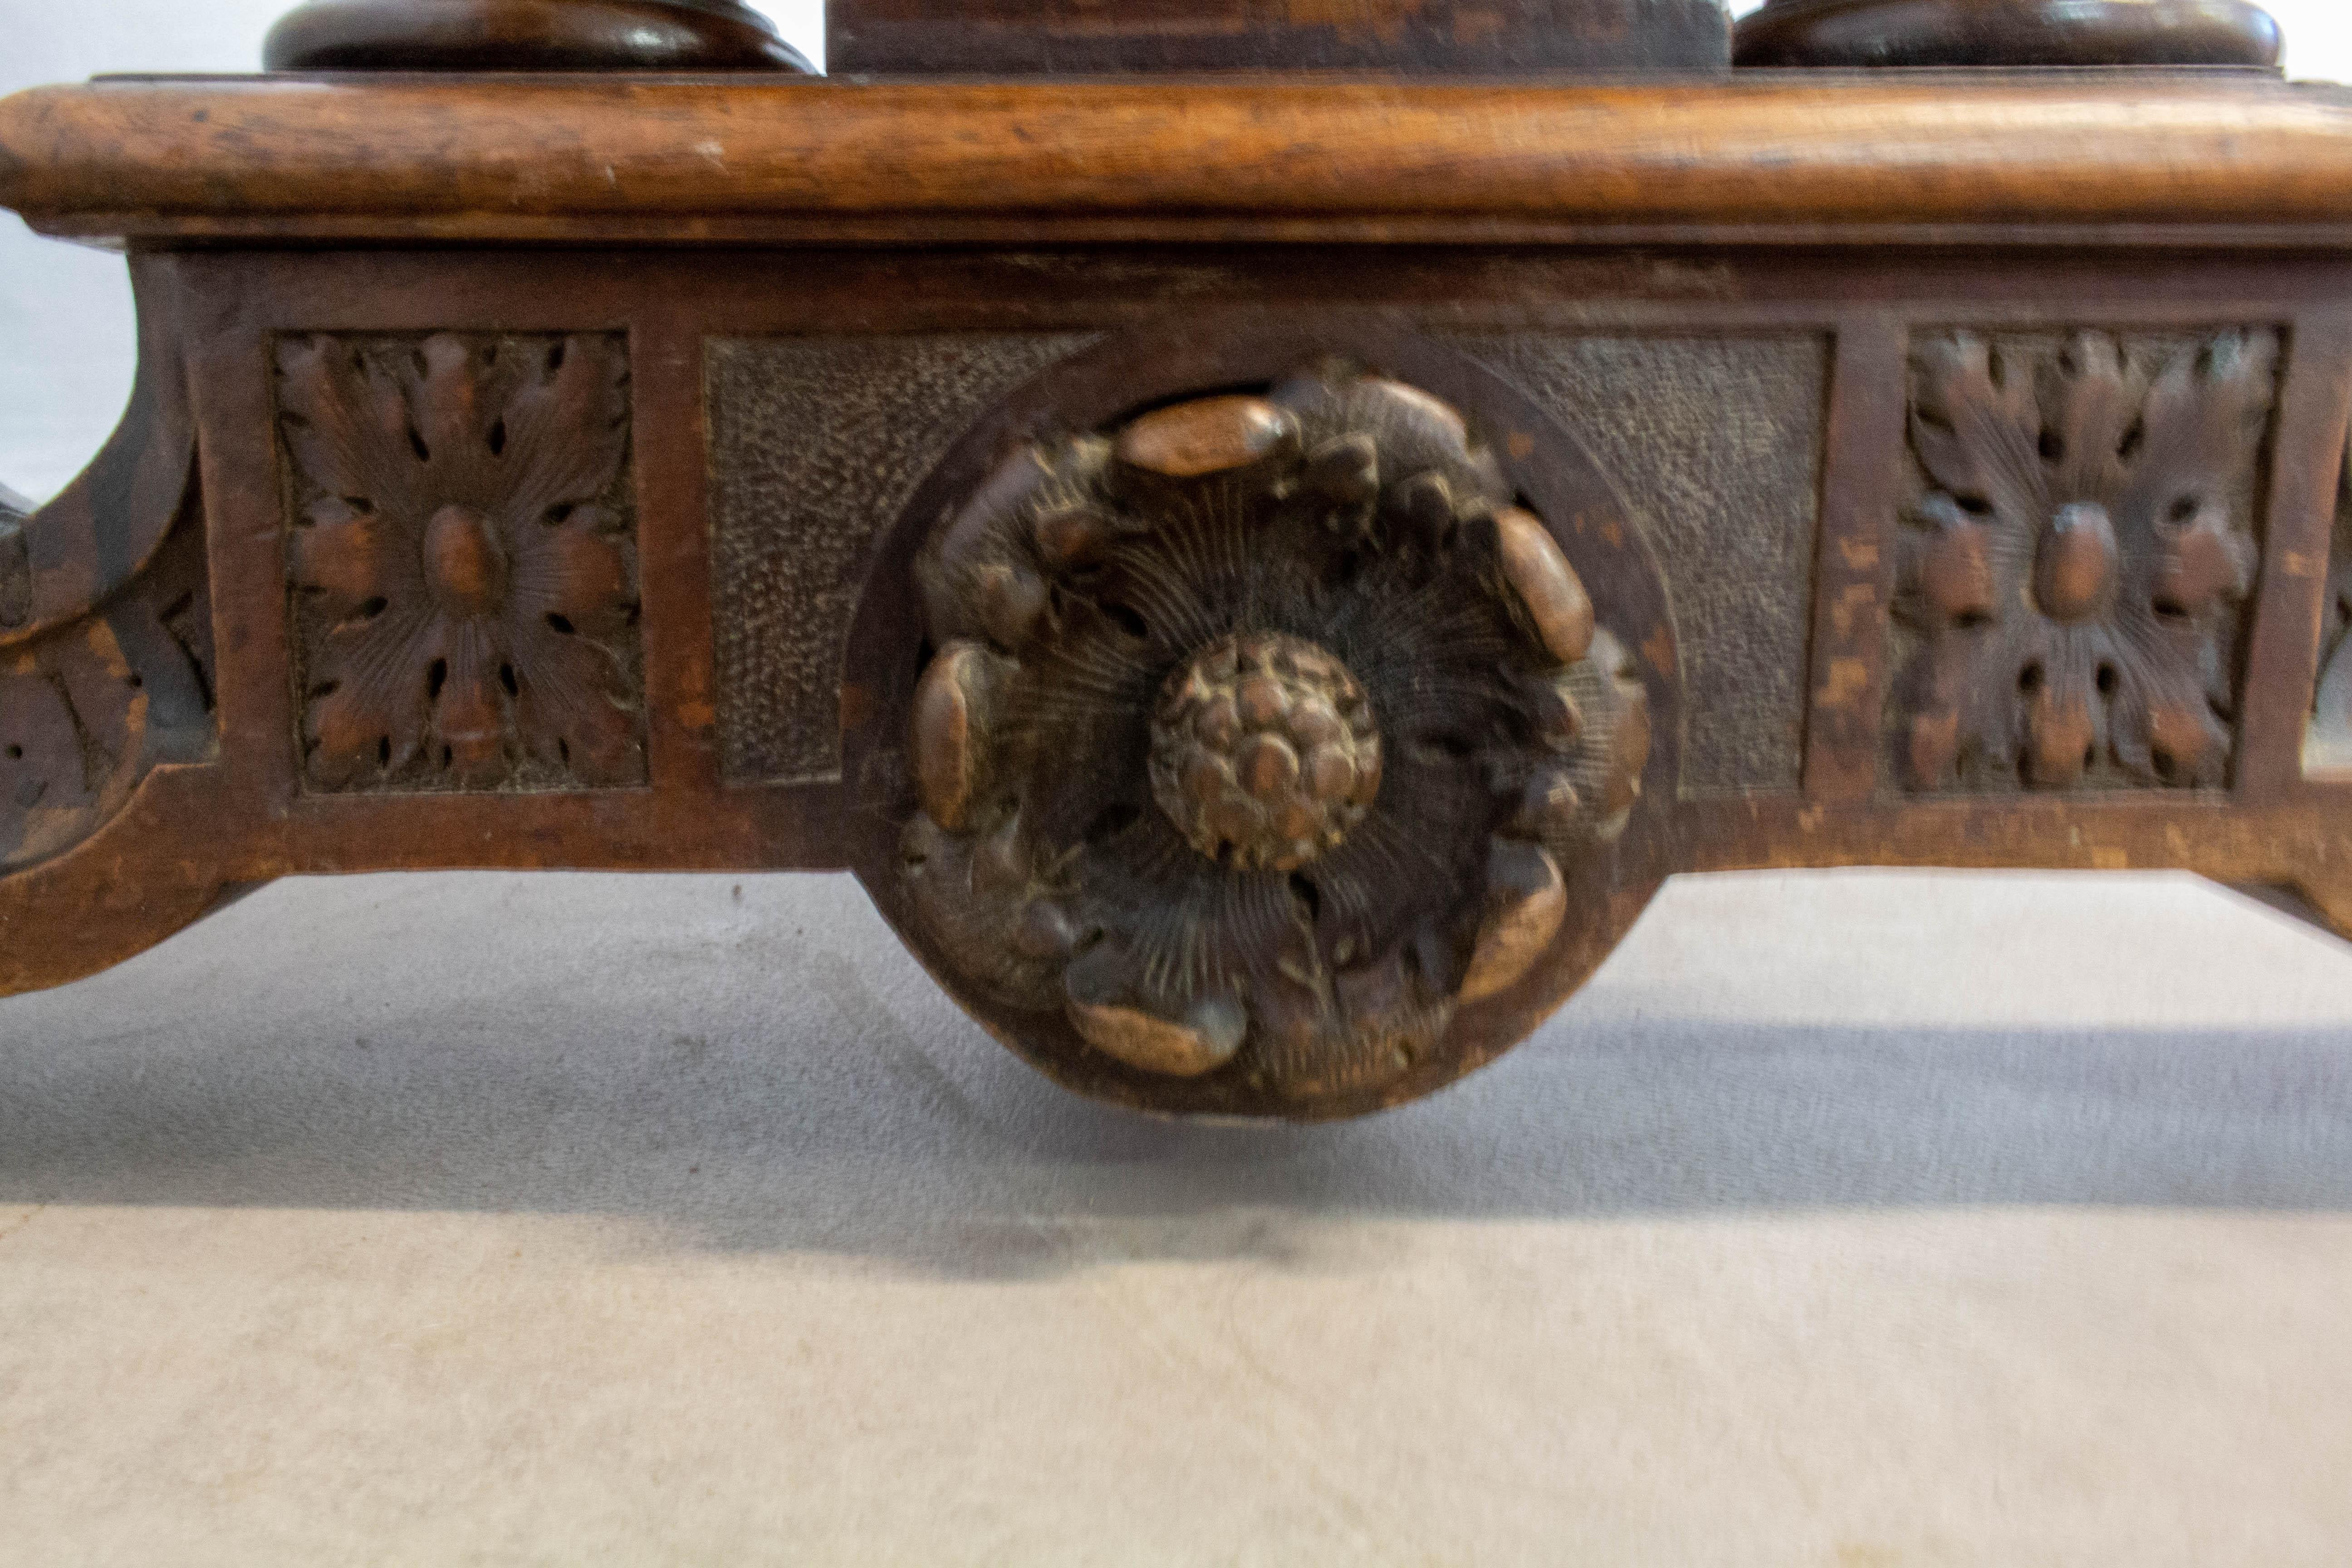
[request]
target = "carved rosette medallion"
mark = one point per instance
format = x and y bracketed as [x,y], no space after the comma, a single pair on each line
[463,562]
[1258,732]
[2074,571]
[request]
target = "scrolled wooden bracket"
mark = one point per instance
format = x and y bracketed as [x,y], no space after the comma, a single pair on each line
[106,649]
[69,556]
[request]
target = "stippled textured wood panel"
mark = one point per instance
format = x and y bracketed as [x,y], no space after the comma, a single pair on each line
[1716,443]
[816,443]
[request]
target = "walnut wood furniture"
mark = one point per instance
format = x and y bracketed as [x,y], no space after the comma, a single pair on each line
[1261,573]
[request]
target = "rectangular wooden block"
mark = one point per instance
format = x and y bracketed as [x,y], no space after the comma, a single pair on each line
[1054,37]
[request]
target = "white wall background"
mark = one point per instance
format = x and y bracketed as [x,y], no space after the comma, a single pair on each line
[66,338]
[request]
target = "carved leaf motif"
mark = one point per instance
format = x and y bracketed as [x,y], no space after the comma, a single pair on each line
[462,560]
[1260,733]
[89,707]
[2072,574]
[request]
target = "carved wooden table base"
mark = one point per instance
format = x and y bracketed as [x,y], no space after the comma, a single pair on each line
[1261,663]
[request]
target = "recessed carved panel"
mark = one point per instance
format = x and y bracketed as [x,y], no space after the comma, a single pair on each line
[2075,564]
[1716,444]
[1262,733]
[2328,748]
[816,443]
[461,550]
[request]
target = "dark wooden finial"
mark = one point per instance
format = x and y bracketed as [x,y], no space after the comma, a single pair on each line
[1847,33]
[527,34]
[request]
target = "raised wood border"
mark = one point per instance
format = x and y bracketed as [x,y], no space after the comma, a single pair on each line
[2046,158]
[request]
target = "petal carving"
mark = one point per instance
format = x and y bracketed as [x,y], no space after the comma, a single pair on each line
[2205,416]
[1201,1041]
[1975,423]
[344,421]
[2062,734]
[576,570]
[469,721]
[1547,586]
[567,427]
[2197,567]
[1955,573]
[1526,901]
[574,711]
[2090,403]
[444,384]
[463,546]
[349,562]
[349,734]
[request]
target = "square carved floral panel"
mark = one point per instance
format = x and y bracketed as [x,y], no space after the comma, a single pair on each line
[461,554]
[2077,557]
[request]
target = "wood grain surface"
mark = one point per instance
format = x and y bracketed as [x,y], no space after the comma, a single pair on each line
[2051,157]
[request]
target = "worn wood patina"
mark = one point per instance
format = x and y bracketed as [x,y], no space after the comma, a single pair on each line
[1263,575]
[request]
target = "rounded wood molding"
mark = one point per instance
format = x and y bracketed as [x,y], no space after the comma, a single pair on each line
[1776,156]
[527,36]
[1827,34]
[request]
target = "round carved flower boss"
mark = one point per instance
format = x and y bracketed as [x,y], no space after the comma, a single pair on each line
[1260,735]
[1264,751]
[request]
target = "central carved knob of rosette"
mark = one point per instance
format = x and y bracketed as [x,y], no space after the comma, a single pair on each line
[2075,562]
[1264,751]
[464,566]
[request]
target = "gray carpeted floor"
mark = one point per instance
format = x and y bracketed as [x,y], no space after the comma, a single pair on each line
[1845,1219]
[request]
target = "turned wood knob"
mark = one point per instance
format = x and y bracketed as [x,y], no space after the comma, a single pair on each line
[1264,751]
[2075,562]
[1851,33]
[527,34]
